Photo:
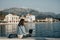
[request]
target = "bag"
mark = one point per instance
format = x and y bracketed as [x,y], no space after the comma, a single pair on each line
[30,31]
[13,36]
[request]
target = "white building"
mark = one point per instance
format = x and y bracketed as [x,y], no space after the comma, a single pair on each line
[12,21]
[30,18]
[10,18]
[49,19]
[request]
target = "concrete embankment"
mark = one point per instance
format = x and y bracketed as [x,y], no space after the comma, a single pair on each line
[30,38]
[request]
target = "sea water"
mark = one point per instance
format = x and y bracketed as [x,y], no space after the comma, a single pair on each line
[40,29]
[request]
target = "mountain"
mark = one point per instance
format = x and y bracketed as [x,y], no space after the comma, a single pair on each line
[24,11]
[20,11]
[46,14]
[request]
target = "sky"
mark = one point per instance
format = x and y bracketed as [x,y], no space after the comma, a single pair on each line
[40,5]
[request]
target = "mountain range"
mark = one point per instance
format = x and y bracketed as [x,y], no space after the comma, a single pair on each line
[24,11]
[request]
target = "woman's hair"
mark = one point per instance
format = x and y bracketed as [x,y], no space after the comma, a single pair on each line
[21,22]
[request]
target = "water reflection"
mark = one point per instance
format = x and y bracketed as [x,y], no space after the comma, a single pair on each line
[6,29]
[42,29]
[31,25]
[2,30]
[11,28]
[47,30]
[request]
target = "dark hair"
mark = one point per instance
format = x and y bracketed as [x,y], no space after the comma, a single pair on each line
[21,22]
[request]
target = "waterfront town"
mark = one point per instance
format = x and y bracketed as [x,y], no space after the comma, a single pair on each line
[13,18]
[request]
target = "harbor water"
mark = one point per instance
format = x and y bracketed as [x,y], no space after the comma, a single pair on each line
[40,29]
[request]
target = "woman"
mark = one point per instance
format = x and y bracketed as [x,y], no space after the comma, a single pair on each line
[21,29]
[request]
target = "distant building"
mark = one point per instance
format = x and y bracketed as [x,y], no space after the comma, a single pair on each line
[10,18]
[49,19]
[46,20]
[30,18]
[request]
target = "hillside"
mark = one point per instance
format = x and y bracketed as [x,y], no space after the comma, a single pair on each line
[20,11]
[24,11]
